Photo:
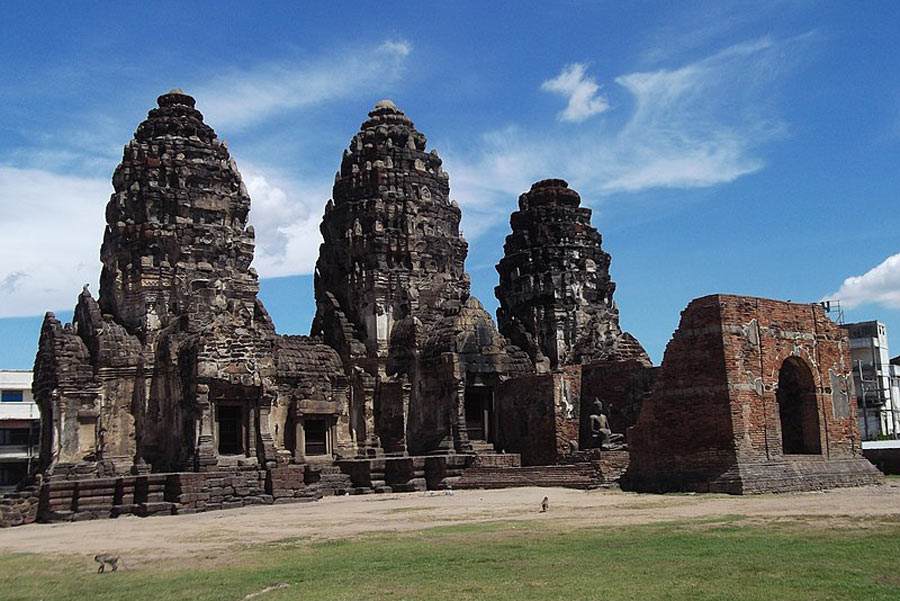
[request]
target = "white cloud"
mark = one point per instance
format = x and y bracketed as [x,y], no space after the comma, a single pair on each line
[53,227]
[286,214]
[581,91]
[880,285]
[243,97]
[695,126]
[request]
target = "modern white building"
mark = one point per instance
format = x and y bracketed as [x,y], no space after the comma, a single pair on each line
[877,381]
[20,426]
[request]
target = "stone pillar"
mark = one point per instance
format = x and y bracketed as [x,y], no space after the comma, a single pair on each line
[407,393]
[343,444]
[368,445]
[458,417]
[266,446]
[205,453]
[300,437]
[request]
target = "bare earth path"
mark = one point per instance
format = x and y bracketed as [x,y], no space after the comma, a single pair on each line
[213,533]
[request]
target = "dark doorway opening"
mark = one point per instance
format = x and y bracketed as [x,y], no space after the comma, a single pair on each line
[479,412]
[290,433]
[316,435]
[230,419]
[798,409]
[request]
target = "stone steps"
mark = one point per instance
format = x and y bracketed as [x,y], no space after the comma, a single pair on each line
[579,475]
[328,480]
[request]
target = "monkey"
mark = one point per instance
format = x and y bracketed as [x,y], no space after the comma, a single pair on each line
[545,504]
[111,561]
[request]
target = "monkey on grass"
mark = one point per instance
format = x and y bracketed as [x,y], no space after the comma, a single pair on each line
[111,561]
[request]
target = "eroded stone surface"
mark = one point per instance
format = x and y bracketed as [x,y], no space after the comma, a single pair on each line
[177,367]
[743,402]
[393,296]
[555,292]
[177,364]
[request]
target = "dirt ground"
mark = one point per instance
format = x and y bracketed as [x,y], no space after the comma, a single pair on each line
[215,532]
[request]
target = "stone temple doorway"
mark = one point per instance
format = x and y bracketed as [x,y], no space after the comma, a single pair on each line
[309,437]
[479,406]
[798,409]
[315,437]
[231,429]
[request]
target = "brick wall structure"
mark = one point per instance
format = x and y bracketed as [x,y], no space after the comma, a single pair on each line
[753,395]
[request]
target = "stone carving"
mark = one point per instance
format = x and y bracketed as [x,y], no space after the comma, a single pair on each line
[601,435]
[393,297]
[177,353]
[555,293]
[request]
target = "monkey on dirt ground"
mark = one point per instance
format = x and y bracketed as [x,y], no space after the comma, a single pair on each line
[545,504]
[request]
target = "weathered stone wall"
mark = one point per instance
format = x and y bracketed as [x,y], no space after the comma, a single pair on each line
[462,351]
[539,416]
[527,409]
[555,292]
[311,383]
[715,419]
[20,507]
[621,386]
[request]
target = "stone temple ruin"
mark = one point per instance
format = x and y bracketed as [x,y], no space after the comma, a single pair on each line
[172,392]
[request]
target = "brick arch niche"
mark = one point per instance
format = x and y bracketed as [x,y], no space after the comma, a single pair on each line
[798,409]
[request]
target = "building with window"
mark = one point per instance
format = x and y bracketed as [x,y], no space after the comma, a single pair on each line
[19,427]
[875,379]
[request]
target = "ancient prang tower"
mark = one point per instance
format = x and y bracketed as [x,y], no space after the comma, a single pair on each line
[392,293]
[172,392]
[555,293]
[174,366]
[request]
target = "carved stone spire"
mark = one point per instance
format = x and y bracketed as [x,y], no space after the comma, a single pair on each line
[392,246]
[555,293]
[177,242]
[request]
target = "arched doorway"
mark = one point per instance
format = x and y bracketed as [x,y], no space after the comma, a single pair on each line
[798,409]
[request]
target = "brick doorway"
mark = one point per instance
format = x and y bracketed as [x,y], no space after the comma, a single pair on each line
[798,409]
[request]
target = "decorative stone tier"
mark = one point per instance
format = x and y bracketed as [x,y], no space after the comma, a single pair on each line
[82,497]
[392,245]
[555,293]
[578,475]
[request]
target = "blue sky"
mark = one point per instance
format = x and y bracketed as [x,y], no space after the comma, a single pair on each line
[724,147]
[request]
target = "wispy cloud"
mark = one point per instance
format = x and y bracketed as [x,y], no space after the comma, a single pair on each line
[699,125]
[580,89]
[879,285]
[240,98]
[53,227]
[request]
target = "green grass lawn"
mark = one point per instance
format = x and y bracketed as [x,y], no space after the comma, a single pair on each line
[726,560]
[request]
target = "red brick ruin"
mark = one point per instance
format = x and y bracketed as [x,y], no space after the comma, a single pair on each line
[753,395]
[172,392]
